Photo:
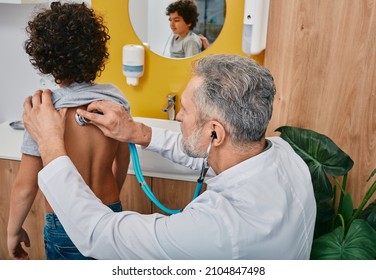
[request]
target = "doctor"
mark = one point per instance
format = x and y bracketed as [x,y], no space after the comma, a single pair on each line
[259,202]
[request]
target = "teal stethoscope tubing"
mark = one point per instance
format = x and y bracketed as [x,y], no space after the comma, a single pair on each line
[146,188]
[140,178]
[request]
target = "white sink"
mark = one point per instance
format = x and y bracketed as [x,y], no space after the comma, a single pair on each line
[155,165]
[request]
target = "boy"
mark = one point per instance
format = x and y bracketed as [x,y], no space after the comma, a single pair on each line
[183,17]
[68,41]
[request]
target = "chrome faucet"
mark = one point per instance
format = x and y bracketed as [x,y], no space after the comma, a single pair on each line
[169,107]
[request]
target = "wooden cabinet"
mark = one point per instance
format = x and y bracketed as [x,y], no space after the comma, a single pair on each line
[174,194]
[133,198]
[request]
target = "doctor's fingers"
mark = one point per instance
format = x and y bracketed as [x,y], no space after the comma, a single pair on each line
[36,99]
[39,97]
[110,124]
[27,105]
[28,102]
[103,106]
[46,98]
[111,113]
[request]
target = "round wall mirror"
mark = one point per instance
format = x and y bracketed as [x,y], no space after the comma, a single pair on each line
[152,25]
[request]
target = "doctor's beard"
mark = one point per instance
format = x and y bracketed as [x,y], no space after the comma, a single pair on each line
[191,145]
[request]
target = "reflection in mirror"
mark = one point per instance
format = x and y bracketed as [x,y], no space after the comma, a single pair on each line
[152,25]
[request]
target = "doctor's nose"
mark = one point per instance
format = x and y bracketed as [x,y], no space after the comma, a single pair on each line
[178,117]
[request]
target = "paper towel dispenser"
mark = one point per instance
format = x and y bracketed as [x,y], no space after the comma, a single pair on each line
[255,25]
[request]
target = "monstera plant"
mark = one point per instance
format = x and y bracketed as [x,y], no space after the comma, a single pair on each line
[341,231]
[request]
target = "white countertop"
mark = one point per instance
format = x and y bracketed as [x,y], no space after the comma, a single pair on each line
[152,165]
[10,142]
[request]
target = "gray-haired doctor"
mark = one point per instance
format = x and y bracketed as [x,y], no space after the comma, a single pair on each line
[259,203]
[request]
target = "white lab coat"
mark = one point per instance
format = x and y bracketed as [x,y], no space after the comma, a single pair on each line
[262,208]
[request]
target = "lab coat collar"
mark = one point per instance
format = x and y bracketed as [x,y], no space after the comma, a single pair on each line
[232,177]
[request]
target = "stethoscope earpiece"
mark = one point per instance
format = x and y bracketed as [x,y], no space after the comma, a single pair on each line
[205,164]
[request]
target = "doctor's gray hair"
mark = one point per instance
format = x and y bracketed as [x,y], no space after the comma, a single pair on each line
[236,91]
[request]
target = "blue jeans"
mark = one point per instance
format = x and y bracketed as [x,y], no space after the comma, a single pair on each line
[58,245]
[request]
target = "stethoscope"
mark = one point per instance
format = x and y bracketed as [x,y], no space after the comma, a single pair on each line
[141,180]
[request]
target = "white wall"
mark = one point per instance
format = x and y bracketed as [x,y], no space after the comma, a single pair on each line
[18,79]
[159,27]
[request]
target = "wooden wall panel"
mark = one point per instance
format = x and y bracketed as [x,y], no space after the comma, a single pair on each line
[8,171]
[133,198]
[35,220]
[322,55]
[173,194]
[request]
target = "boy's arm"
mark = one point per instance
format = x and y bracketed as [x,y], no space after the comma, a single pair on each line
[23,194]
[120,164]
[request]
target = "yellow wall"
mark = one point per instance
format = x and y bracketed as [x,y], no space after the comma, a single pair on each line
[161,75]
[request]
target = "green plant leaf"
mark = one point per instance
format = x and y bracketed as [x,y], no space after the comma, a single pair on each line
[347,207]
[369,214]
[371,175]
[358,244]
[322,156]
[324,218]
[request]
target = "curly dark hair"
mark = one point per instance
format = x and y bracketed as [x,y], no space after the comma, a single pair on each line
[187,9]
[68,41]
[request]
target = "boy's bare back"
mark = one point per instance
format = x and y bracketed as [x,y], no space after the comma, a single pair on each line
[94,154]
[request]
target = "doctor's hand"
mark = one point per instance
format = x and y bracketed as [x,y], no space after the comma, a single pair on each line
[45,125]
[116,122]
[204,40]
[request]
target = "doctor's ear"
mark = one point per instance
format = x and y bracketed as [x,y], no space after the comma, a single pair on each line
[218,133]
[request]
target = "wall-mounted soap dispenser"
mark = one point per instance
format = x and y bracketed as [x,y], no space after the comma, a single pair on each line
[255,25]
[133,63]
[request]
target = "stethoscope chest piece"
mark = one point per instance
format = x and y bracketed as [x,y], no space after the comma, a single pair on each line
[81,120]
